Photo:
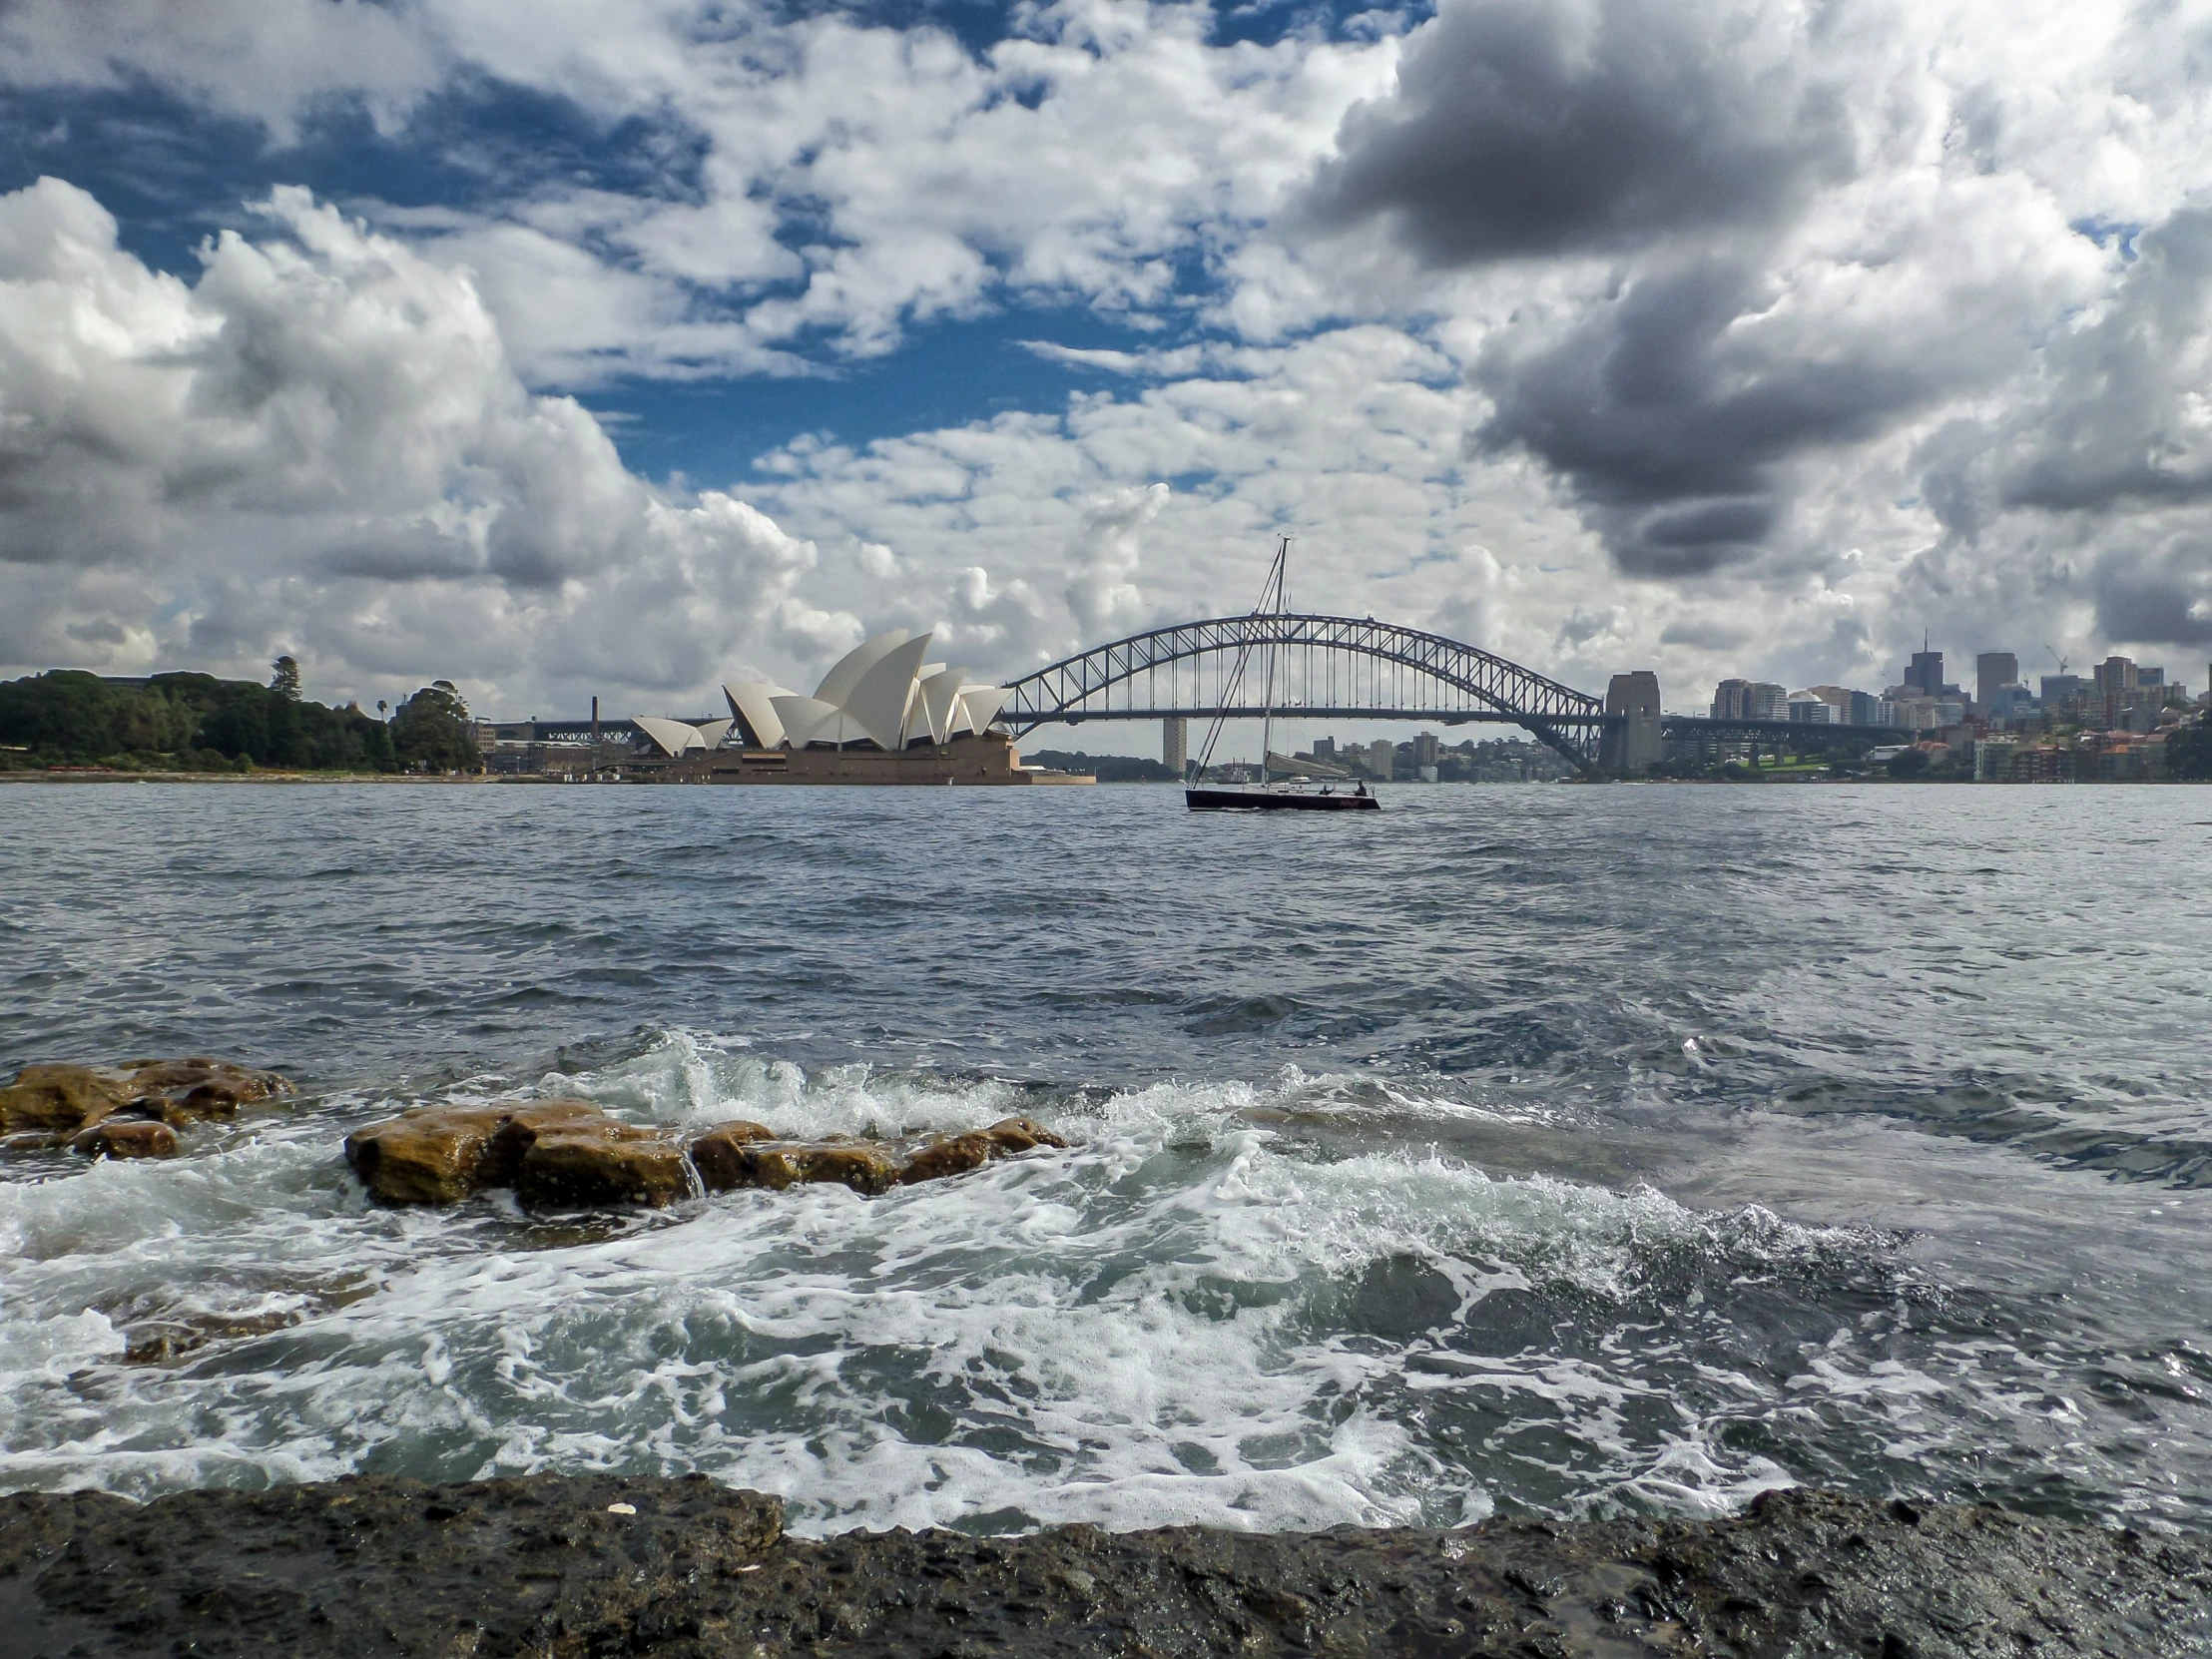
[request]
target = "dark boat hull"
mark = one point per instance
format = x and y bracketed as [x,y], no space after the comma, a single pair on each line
[1277,801]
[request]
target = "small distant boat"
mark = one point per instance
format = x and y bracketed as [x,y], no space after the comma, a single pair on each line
[1265,796]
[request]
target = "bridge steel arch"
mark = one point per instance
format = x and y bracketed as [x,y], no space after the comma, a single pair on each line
[1323,659]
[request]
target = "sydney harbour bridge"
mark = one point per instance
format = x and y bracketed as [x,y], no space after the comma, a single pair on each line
[1356,668]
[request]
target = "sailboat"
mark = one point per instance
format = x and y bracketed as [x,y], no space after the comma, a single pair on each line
[1265,796]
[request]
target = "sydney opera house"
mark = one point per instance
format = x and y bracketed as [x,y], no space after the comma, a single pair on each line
[883,715]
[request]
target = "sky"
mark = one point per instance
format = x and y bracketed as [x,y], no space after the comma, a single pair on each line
[562,347]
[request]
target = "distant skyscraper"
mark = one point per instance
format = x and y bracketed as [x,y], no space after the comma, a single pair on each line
[1765,700]
[1991,670]
[1175,744]
[1925,673]
[1424,749]
[1728,698]
[1382,758]
[2062,688]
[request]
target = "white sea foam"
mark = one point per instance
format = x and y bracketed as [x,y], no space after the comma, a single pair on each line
[1176,1320]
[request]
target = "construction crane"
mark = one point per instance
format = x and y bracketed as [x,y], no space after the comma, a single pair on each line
[2053,650]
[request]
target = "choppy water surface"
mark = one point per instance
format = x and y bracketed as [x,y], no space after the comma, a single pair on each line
[1544,1149]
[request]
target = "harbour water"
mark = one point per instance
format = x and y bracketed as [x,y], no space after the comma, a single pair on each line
[1513,1150]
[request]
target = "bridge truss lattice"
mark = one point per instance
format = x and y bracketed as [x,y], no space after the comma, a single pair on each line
[1326,667]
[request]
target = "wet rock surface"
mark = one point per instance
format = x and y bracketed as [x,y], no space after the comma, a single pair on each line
[568,1154]
[602,1565]
[132,1110]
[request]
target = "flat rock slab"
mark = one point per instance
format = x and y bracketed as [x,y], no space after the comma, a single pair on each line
[567,1566]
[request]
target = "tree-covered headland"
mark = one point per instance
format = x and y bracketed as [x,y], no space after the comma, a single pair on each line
[197,723]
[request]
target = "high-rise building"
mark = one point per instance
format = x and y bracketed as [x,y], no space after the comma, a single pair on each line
[1925,673]
[2060,690]
[1424,749]
[1750,700]
[1991,670]
[1382,758]
[2147,676]
[1866,709]
[2115,682]
[2116,674]
[1175,744]
[1324,748]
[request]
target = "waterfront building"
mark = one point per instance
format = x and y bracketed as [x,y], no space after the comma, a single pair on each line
[1175,744]
[1424,750]
[1381,758]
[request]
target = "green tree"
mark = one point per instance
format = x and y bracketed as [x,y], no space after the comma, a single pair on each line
[284,677]
[1911,764]
[2189,750]
[431,731]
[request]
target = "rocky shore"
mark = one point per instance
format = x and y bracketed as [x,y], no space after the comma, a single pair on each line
[560,1568]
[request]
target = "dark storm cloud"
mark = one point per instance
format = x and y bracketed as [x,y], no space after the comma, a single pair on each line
[1668,420]
[2158,594]
[1525,128]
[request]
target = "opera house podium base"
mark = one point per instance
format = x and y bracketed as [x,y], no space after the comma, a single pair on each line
[967,760]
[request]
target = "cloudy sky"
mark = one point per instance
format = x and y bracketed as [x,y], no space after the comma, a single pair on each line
[562,347]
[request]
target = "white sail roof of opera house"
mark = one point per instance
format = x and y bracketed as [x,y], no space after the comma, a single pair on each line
[884,692]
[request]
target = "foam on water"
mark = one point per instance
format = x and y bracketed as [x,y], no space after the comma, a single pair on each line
[1184,1319]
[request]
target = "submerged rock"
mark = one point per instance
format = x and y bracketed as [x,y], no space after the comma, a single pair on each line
[126,1138]
[53,1105]
[568,1154]
[570,1566]
[958,1154]
[864,1165]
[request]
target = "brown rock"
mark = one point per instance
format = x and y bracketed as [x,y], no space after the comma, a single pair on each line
[1011,1135]
[776,1165]
[511,1144]
[716,1151]
[59,1099]
[115,1137]
[958,1154]
[953,1155]
[441,1154]
[584,1165]
[863,1168]
[199,1088]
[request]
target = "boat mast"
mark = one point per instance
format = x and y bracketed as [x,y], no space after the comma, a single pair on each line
[1267,718]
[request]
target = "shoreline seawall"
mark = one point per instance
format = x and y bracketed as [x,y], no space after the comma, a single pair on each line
[569,1566]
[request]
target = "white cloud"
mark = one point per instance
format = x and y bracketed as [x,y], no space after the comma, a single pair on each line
[321,446]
